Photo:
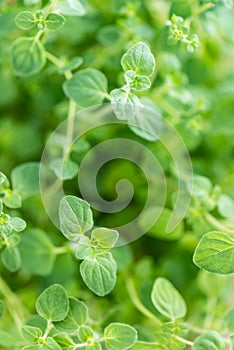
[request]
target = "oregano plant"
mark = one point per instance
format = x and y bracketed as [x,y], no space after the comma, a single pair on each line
[134,99]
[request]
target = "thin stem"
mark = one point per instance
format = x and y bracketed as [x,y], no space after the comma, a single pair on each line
[61,250]
[70,126]
[138,304]
[80,345]
[58,63]
[211,304]
[48,329]
[214,222]
[168,108]
[182,340]
[196,329]
[14,304]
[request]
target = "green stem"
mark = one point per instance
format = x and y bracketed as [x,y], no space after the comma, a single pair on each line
[14,305]
[61,250]
[218,225]
[47,330]
[58,63]
[168,108]
[182,340]
[138,304]
[70,126]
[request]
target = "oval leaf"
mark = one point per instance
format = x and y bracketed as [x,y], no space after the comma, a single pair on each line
[209,341]
[120,336]
[53,304]
[167,300]
[215,253]
[27,56]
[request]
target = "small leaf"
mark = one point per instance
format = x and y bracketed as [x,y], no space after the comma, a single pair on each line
[51,345]
[77,316]
[85,333]
[99,273]
[12,200]
[25,20]
[120,336]
[14,240]
[125,104]
[75,217]
[215,253]
[25,179]
[167,300]
[72,8]
[137,82]
[37,252]
[104,238]
[139,59]
[226,207]
[63,340]
[74,63]
[27,56]
[2,309]
[88,87]
[83,249]
[64,169]
[3,178]
[209,341]
[31,334]
[6,340]
[54,21]
[53,303]
[11,258]
[17,224]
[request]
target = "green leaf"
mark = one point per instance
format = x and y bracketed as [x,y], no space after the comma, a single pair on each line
[104,238]
[53,304]
[85,333]
[51,344]
[64,169]
[12,200]
[137,82]
[72,8]
[54,21]
[215,253]
[27,56]
[77,316]
[75,217]
[17,224]
[125,104]
[2,309]
[119,336]
[25,179]
[37,252]
[25,20]
[167,300]
[31,334]
[3,178]
[209,341]
[11,258]
[88,87]
[99,273]
[226,207]
[141,345]
[63,340]
[14,239]
[33,347]
[139,59]
[1,208]
[83,249]
[74,63]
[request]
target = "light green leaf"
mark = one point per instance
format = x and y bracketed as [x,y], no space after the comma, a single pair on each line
[215,253]
[6,340]
[64,169]
[2,309]
[72,8]
[137,82]
[99,273]
[27,56]
[85,333]
[54,21]
[229,320]
[77,316]
[1,208]
[167,300]
[25,20]
[120,336]
[139,59]
[51,345]
[17,224]
[226,207]
[53,304]
[25,179]
[209,341]
[32,347]
[83,249]
[3,178]
[12,200]
[75,217]
[63,340]
[31,334]
[104,238]
[141,345]
[37,252]
[125,104]
[14,239]
[74,63]
[88,87]
[11,258]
